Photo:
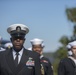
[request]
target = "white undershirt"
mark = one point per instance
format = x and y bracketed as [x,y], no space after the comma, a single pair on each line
[19,56]
[41,56]
[72,59]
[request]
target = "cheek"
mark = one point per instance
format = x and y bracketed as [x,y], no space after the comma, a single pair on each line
[74,51]
[34,49]
[23,41]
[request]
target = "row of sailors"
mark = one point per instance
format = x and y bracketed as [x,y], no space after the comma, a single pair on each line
[18,31]
[37,45]
[45,62]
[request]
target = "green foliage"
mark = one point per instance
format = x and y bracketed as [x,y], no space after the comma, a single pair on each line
[61,53]
[64,40]
[71,14]
[55,66]
[58,55]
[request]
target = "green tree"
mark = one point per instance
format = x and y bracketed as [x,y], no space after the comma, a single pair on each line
[71,14]
[64,40]
[60,53]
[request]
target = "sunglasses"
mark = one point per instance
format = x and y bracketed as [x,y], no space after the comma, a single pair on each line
[21,38]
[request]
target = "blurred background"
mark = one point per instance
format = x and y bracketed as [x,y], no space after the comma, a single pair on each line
[54,21]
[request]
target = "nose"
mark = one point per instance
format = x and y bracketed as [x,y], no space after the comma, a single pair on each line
[38,50]
[18,39]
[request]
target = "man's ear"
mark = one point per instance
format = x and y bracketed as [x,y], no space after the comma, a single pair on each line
[24,39]
[11,39]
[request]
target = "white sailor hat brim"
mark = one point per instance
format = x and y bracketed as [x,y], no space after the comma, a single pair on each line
[68,46]
[17,28]
[8,44]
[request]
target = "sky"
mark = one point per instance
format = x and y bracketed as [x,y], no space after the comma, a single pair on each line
[46,19]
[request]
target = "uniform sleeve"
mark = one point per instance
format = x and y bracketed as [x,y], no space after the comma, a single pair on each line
[37,66]
[50,68]
[61,68]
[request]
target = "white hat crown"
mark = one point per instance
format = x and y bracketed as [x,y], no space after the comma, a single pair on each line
[14,26]
[37,41]
[73,43]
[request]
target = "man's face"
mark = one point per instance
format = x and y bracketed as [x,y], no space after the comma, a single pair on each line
[74,51]
[37,48]
[18,42]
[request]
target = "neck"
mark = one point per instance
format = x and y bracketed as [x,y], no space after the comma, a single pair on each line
[74,56]
[17,50]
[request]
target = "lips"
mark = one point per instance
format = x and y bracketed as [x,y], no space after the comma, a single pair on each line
[17,44]
[38,51]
